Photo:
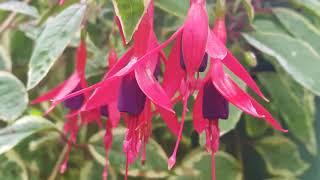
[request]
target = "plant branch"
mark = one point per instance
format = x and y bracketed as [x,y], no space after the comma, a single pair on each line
[9,20]
[56,168]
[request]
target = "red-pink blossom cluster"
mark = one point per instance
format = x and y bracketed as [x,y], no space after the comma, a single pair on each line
[131,87]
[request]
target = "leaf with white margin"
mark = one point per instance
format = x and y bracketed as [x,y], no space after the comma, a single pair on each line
[13,97]
[19,7]
[52,41]
[11,135]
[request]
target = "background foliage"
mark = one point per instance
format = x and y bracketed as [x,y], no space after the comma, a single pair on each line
[278,42]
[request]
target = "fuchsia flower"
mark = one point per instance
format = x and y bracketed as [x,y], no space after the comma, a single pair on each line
[194,42]
[61,2]
[103,102]
[216,90]
[74,83]
[138,89]
[131,82]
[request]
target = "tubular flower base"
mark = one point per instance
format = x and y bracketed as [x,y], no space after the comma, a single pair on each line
[131,87]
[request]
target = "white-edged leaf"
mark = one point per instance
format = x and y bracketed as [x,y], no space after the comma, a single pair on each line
[5,61]
[11,135]
[295,56]
[293,107]
[52,41]
[12,167]
[130,14]
[156,159]
[299,26]
[13,97]
[281,156]
[197,165]
[19,7]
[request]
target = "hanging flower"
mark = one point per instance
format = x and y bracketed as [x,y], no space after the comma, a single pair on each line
[74,83]
[218,89]
[195,43]
[138,89]
[103,102]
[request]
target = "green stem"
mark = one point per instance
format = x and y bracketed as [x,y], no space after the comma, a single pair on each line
[56,168]
[220,8]
[239,150]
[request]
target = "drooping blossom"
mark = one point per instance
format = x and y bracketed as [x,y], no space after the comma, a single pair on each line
[194,42]
[139,89]
[74,83]
[217,90]
[103,102]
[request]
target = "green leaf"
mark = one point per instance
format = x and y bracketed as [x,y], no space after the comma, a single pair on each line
[5,62]
[19,7]
[298,58]
[11,135]
[263,24]
[52,42]
[311,5]
[294,108]
[154,167]
[93,170]
[231,122]
[12,167]
[249,8]
[97,64]
[255,127]
[178,8]
[13,97]
[130,14]
[283,178]
[299,26]
[197,165]
[20,49]
[281,156]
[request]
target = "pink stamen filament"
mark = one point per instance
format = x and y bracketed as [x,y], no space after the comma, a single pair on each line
[212,143]
[172,159]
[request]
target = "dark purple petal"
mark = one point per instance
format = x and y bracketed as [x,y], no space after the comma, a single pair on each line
[131,98]
[104,111]
[157,70]
[214,105]
[203,64]
[75,102]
